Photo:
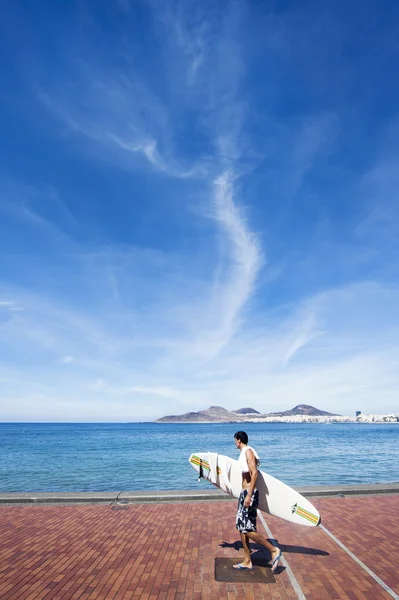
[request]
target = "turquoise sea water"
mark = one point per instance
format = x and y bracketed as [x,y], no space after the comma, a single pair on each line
[150,456]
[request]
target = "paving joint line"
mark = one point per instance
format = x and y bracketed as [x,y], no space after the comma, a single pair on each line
[361,564]
[291,576]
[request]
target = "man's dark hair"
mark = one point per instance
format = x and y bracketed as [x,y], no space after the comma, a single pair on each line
[241,436]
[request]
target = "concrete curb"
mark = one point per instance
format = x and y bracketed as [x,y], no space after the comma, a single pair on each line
[7,498]
[349,490]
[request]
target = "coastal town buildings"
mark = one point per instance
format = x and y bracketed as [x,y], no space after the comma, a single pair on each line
[361,418]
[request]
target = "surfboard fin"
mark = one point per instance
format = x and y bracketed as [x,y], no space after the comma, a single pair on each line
[213,465]
[201,474]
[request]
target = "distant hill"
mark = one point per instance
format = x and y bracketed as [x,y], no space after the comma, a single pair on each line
[216,414]
[303,409]
[246,411]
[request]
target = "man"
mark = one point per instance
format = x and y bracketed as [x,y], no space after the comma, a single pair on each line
[248,504]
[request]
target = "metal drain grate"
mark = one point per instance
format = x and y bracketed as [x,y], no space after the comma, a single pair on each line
[260,574]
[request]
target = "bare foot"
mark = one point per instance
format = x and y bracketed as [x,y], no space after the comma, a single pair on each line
[274,554]
[243,565]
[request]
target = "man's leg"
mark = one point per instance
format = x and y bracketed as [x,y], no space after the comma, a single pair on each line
[247,553]
[259,539]
[246,563]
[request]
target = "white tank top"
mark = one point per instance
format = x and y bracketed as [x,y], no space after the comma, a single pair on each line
[242,461]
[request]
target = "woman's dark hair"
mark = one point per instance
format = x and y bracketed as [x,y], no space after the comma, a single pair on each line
[241,436]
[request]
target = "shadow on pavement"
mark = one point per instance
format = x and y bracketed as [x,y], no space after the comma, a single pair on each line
[286,548]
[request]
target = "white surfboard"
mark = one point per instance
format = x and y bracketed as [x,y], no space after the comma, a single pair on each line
[275,497]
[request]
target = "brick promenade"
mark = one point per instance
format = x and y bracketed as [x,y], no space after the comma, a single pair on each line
[167,552]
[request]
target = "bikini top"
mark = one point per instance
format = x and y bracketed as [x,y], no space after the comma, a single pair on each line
[242,460]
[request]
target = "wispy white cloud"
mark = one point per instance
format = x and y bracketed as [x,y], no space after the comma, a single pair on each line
[66,360]
[244,254]
[38,208]
[191,38]
[313,137]
[119,117]
[116,391]
[302,334]
[139,329]
[121,120]
[282,363]
[378,188]
[10,306]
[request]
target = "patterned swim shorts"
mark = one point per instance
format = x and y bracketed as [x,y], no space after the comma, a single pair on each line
[246,517]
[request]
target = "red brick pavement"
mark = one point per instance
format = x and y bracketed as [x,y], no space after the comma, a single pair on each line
[367,526]
[167,552]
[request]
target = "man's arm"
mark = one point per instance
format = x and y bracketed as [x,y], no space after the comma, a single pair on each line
[253,471]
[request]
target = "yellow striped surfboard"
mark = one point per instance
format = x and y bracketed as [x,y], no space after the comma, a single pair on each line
[275,497]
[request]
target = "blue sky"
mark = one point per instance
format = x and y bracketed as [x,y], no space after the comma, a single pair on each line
[198,206]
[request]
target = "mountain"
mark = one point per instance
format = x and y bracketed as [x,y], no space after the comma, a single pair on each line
[246,411]
[303,409]
[216,414]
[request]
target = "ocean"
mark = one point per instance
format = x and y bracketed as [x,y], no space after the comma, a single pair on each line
[154,456]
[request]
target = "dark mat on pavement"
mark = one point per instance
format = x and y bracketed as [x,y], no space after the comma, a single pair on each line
[261,573]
